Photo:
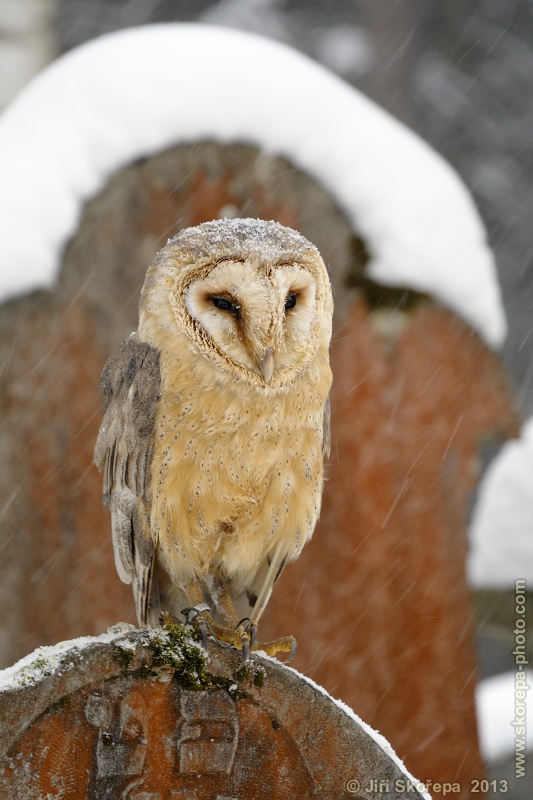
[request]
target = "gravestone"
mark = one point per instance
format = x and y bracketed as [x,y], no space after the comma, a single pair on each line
[145,715]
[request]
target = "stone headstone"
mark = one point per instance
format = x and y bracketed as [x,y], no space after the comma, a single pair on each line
[144,715]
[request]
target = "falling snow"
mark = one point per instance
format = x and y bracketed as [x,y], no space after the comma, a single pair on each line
[132,94]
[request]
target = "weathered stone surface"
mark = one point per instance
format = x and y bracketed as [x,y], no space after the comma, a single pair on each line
[143,716]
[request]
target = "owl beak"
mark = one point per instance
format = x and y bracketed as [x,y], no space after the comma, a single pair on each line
[266,364]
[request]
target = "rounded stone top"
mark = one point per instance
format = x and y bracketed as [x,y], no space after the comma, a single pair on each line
[149,715]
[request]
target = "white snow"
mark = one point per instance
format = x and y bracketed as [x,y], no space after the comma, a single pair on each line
[46,660]
[133,93]
[495,699]
[501,553]
[501,529]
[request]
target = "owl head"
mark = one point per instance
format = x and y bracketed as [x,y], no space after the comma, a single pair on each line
[250,295]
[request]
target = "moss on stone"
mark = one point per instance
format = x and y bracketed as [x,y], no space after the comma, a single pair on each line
[63,702]
[124,655]
[178,648]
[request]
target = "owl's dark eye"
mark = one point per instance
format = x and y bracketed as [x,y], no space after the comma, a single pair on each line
[223,304]
[290,302]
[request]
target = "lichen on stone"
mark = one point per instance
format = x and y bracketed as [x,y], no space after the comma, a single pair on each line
[178,648]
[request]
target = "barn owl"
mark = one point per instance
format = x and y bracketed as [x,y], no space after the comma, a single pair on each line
[216,425]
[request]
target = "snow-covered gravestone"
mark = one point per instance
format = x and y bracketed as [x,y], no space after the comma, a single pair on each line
[114,148]
[148,714]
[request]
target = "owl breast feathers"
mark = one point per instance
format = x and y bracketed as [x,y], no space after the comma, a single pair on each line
[217,419]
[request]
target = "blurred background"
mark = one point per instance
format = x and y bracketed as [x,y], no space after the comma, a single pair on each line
[459,74]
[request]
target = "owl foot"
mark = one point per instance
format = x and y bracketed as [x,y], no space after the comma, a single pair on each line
[286,644]
[242,637]
[196,616]
[200,617]
[247,630]
[245,634]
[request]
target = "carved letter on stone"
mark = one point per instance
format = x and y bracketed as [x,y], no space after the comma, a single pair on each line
[209,734]
[122,735]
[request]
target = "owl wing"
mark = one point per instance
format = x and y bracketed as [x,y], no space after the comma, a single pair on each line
[131,384]
[326,433]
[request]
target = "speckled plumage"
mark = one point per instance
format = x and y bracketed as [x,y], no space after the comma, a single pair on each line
[217,419]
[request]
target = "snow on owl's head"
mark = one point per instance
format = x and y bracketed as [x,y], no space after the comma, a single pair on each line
[252,296]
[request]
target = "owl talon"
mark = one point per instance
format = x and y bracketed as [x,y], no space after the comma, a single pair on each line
[203,630]
[292,653]
[243,636]
[285,645]
[191,614]
[202,627]
[247,626]
[253,634]
[245,648]
[194,616]
[244,631]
